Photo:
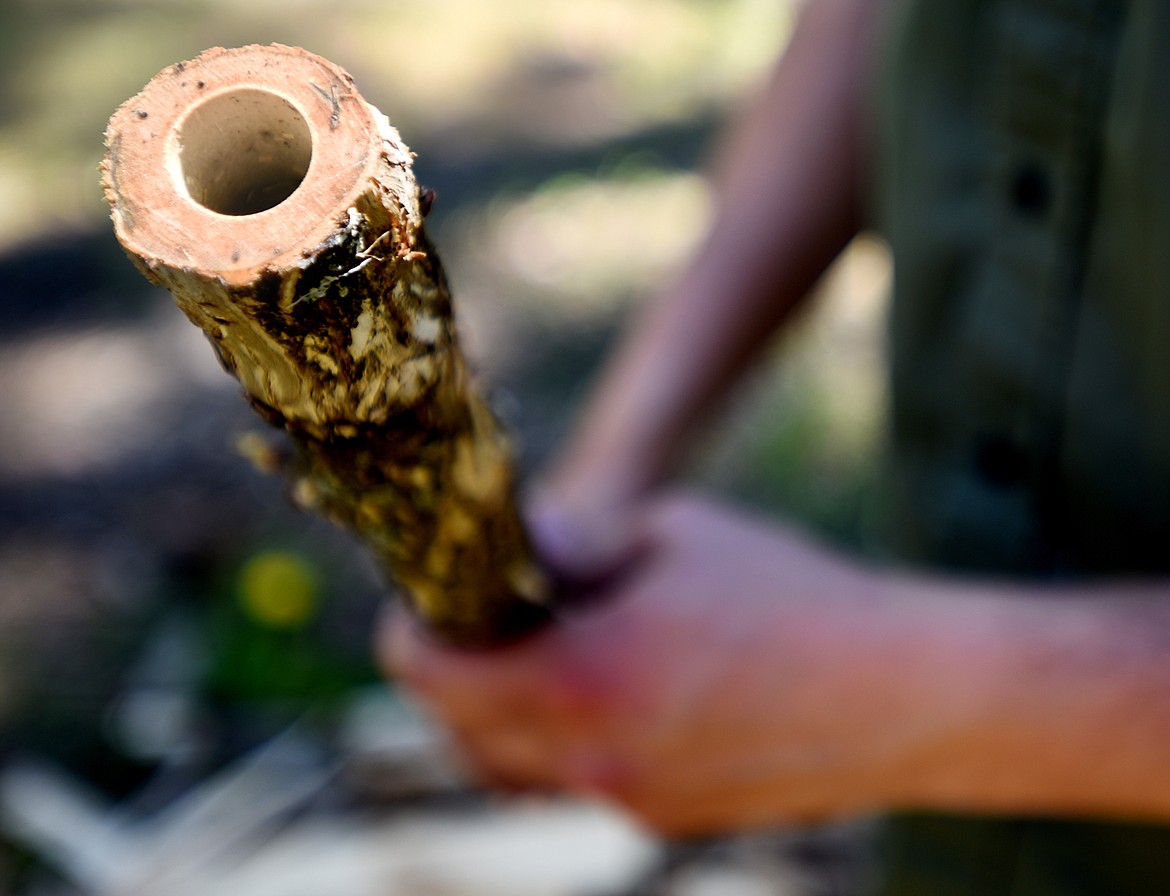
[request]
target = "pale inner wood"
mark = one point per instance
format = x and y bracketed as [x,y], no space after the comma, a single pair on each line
[243,151]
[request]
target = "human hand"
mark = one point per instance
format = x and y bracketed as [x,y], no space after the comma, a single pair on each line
[732,674]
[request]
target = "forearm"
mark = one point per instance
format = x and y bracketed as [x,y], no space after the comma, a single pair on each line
[1034,702]
[788,185]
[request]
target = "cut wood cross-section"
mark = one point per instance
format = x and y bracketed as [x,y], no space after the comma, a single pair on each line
[280,210]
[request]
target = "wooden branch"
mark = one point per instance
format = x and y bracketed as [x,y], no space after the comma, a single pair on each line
[280,210]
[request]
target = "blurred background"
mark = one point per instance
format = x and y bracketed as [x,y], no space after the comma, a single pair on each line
[187,700]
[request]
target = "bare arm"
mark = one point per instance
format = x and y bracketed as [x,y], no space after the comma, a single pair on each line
[739,675]
[1054,700]
[788,181]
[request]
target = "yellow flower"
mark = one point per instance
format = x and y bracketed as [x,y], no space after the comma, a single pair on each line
[279,589]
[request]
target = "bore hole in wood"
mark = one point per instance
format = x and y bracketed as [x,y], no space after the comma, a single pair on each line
[244,151]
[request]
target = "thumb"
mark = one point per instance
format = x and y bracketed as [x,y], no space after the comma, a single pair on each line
[581,546]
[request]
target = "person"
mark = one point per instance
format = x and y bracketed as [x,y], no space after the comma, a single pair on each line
[1001,682]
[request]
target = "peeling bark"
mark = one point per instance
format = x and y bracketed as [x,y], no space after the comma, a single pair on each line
[280,210]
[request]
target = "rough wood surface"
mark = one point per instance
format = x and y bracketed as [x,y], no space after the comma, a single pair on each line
[281,212]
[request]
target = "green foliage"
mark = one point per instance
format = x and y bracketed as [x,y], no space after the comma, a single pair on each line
[269,640]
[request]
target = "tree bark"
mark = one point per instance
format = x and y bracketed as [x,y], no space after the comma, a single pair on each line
[280,210]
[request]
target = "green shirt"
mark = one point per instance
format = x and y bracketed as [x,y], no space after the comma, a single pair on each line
[1024,161]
